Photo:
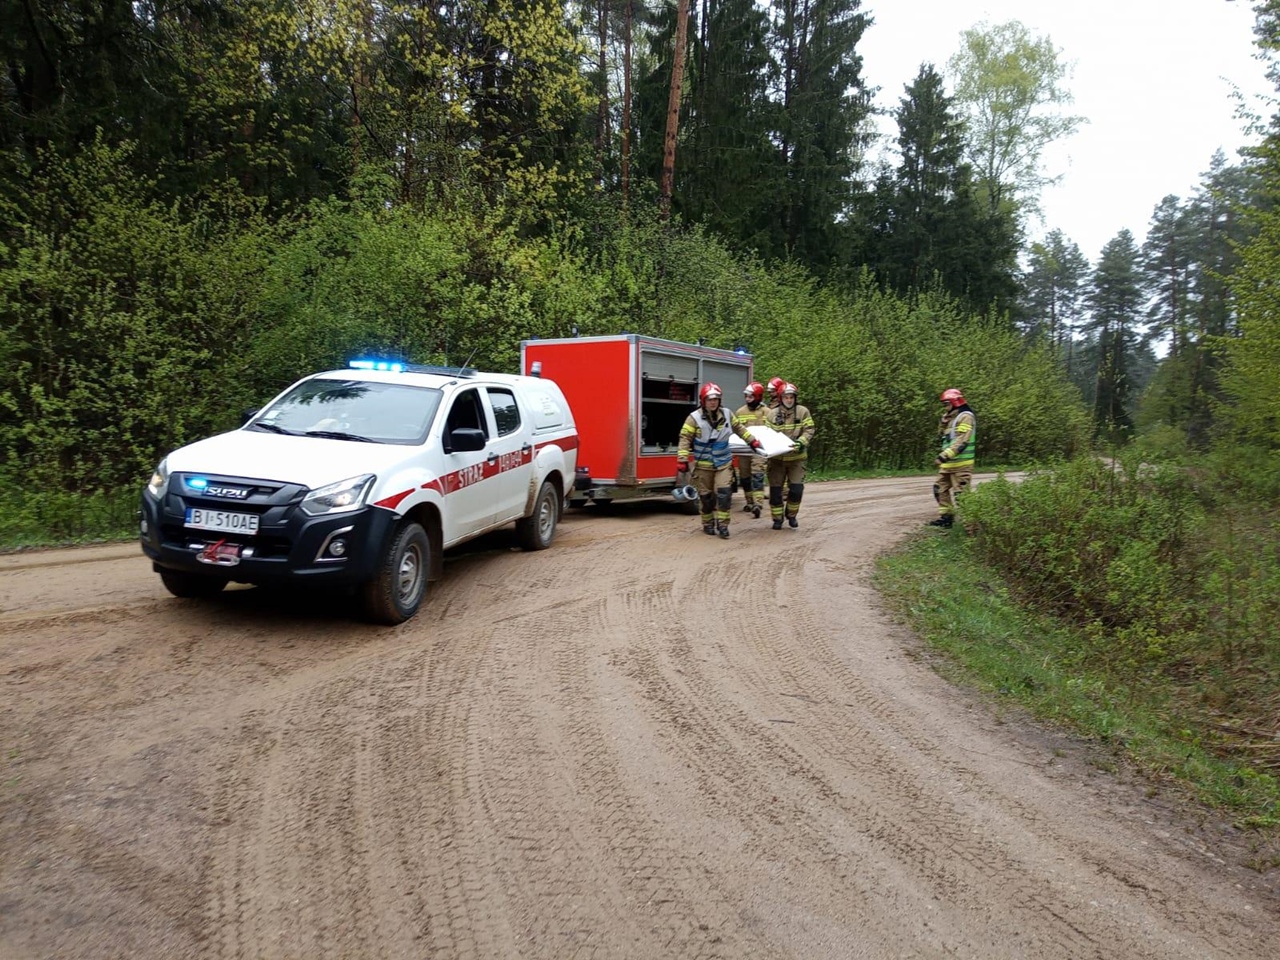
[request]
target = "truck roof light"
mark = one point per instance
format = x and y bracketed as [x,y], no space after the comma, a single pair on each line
[391,366]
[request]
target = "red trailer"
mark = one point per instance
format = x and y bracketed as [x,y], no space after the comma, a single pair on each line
[630,395]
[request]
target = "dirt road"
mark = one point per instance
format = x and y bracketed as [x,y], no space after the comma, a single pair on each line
[644,743]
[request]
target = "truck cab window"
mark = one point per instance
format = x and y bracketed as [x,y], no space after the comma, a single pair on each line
[505,412]
[466,412]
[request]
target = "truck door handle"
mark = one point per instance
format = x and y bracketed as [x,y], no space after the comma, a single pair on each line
[527,448]
[491,458]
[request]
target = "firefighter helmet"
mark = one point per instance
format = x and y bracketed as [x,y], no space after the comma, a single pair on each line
[754,392]
[775,385]
[952,397]
[708,391]
[789,388]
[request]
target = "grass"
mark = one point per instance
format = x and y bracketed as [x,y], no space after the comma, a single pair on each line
[56,519]
[964,610]
[820,473]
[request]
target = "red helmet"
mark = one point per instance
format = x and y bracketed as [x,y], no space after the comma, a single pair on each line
[754,392]
[708,391]
[789,388]
[776,385]
[952,397]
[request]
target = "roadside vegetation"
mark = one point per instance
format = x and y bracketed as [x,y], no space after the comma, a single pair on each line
[1135,600]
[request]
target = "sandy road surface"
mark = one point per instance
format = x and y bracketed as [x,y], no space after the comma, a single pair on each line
[645,743]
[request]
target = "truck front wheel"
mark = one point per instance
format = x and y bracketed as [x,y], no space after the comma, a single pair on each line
[191,585]
[536,531]
[395,594]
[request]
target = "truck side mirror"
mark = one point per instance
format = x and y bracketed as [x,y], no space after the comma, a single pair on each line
[466,440]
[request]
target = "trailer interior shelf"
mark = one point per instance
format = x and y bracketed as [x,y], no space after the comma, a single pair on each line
[664,404]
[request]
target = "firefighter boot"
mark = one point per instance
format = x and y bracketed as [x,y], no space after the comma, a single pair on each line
[755,510]
[793,521]
[709,529]
[723,531]
[777,523]
[943,521]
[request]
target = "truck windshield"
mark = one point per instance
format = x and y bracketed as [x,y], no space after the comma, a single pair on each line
[358,410]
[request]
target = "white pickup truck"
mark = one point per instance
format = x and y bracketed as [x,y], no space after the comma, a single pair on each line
[362,477]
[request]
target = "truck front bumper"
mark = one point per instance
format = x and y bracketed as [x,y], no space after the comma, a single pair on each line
[290,546]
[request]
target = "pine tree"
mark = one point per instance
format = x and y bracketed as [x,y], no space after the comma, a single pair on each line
[1053,289]
[929,177]
[824,102]
[1167,261]
[1116,299]
[728,179]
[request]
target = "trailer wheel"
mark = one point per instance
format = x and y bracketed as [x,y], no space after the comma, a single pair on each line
[536,531]
[395,594]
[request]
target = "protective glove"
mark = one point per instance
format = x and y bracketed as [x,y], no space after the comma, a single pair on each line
[756,444]
[797,448]
[682,465]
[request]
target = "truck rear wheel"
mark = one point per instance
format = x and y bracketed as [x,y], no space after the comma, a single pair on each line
[395,594]
[191,585]
[536,531]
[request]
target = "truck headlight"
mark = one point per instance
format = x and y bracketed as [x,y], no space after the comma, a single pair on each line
[159,481]
[341,497]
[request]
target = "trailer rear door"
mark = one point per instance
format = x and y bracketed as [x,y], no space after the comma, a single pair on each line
[731,377]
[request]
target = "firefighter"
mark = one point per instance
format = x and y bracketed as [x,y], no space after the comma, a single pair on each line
[793,421]
[751,469]
[771,392]
[772,396]
[958,437]
[704,440]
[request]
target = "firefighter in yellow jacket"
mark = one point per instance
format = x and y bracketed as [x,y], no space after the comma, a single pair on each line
[794,421]
[751,470]
[958,439]
[704,441]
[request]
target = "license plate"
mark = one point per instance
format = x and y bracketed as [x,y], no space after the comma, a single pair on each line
[221,521]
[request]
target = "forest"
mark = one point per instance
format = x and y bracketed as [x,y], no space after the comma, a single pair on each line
[201,201]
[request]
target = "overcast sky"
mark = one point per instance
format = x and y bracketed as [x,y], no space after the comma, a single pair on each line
[1153,77]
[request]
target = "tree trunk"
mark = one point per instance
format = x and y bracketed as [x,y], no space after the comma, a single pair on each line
[602,119]
[626,106]
[673,109]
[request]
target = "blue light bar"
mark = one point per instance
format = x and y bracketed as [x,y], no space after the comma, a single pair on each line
[388,365]
[197,483]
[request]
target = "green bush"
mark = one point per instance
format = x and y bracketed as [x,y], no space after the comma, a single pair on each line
[1175,579]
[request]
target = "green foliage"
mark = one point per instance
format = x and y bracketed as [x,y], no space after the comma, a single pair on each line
[1011,83]
[967,609]
[118,313]
[1116,298]
[1253,358]
[1054,290]
[930,227]
[1084,538]
[133,327]
[872,368]
[37,517]
[1173,574]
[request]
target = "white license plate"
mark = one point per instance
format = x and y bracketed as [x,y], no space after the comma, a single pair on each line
[221,521]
